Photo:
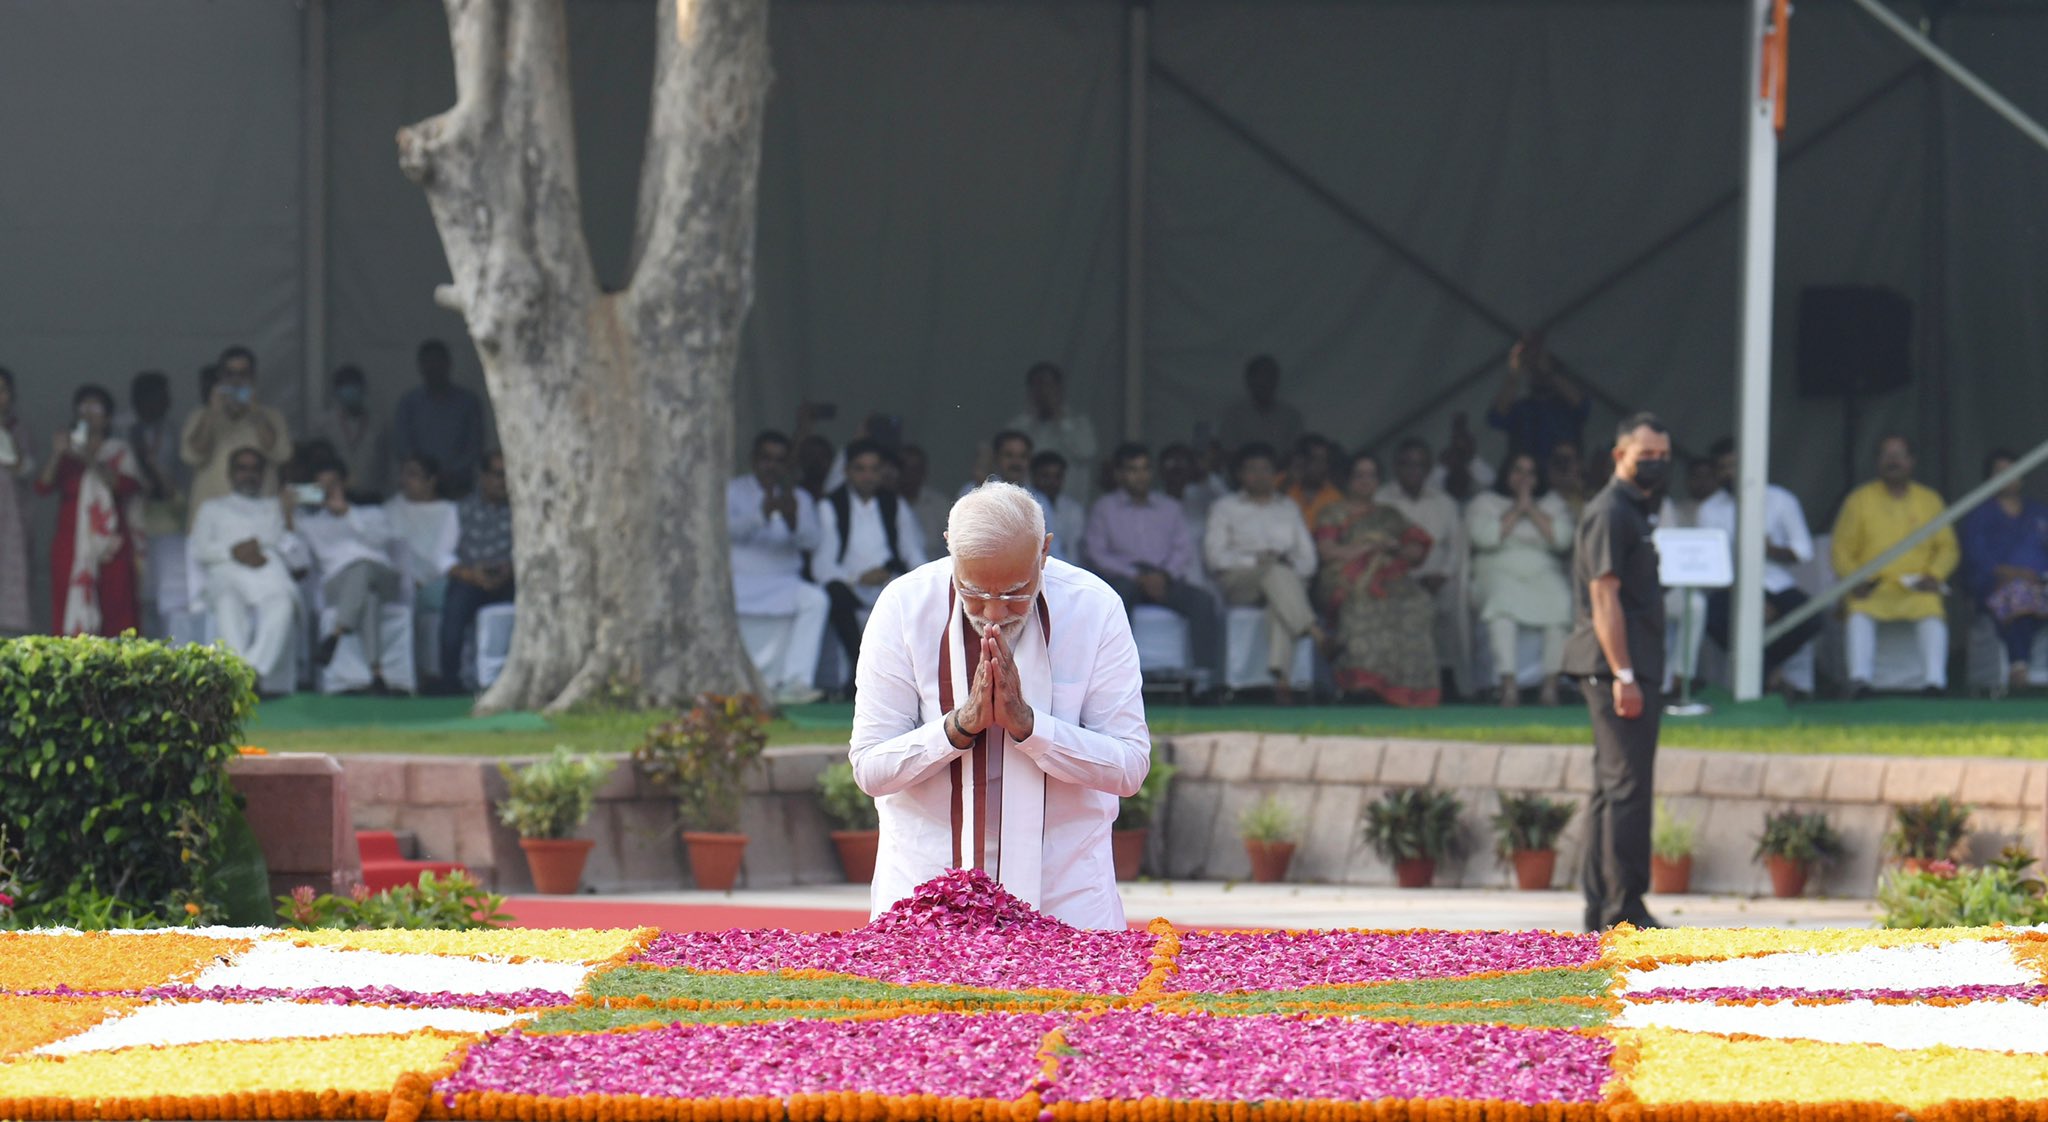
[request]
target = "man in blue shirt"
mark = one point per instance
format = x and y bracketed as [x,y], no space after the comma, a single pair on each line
[1553,413]
[442,420]
[2005,565]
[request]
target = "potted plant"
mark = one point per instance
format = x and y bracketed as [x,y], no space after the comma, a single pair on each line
[1671,844]
[1792,843]
[546,801]
[1525,834]
[1270,830]
[856,830]
[1414,827]
[701,759]
[1134,819]
[1925,832]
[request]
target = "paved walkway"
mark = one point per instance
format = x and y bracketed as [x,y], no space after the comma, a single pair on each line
[1215,904]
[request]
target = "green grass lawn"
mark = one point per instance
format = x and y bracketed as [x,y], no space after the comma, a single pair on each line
[1903,727]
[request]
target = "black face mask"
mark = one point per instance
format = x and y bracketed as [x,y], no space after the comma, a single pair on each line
[1652,475]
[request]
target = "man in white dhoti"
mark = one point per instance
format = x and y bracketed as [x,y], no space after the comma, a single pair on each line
[773,523]
[999,716]
[248,555]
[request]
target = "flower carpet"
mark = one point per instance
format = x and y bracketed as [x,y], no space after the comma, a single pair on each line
[964,1005]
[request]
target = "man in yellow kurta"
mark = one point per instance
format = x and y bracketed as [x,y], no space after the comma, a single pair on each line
[1875,517]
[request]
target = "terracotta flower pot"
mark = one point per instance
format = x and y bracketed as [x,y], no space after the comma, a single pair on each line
[714,859]
[857,853]
[1128,848]
[1534,868]
[556,863]
[1269,860]
[1415,872]
[1671,878]
[1788,877]
[1915,864]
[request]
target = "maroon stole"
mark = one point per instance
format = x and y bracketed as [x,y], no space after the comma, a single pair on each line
[979,750]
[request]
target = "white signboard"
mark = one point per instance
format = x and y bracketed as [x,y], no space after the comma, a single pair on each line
[1694,558]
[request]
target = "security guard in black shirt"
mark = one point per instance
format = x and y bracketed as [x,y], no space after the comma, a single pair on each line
[1616,651]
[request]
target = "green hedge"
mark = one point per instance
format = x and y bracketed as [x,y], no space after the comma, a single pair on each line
[113,778]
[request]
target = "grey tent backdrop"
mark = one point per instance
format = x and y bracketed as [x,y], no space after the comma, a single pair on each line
[1378,193]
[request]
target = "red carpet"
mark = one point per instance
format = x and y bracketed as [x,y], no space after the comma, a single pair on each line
[597,911]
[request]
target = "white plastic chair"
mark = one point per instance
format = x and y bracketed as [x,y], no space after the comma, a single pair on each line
[1162,638]
[1244,630]
[494,625]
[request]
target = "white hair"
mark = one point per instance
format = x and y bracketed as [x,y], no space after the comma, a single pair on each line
[993,519]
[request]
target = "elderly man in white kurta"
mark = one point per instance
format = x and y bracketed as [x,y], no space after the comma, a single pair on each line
[1446,573]
[999,717]
[773,523]
[242,545]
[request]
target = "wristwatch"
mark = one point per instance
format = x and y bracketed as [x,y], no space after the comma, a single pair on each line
[1626,676]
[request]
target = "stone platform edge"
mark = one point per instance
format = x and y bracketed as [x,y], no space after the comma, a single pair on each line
[446,803]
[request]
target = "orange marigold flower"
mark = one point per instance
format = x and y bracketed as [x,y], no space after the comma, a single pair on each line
[191,909]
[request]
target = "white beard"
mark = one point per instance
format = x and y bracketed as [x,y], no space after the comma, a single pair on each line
[1009,631]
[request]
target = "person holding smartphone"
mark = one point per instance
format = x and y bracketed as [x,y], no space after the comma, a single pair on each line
[231,418]
[92,558]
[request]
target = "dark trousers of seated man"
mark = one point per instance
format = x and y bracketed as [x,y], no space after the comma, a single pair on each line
[846,609]
[358,594]
[1721,611]
[1196,605]
[458,611]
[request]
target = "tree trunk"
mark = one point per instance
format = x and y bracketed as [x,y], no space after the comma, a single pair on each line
[615,409]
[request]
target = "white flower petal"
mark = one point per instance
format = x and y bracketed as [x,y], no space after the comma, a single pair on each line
[1949,964]
[1997,1026]
[286,966]
[193,1022]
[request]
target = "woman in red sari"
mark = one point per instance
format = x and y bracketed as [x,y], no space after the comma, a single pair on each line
[92,559]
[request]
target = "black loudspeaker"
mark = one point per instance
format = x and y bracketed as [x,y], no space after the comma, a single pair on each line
[1853,340]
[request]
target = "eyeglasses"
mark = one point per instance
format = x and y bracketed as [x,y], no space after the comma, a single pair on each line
[980,597]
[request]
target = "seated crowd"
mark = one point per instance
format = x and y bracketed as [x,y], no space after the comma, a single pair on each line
[1442,577]
[1418,578]
[226,527]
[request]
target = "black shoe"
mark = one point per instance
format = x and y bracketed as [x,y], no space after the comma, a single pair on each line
[325,654]
[1861,691]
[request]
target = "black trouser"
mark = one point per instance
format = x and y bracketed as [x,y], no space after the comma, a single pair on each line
[1616,872]
[458,610]
[1196,605]
[846,609]
[1721,611]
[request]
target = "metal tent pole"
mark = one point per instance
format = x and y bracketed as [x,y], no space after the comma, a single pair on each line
[1983,91]
[1137,109]
[313,218]
[1753,400]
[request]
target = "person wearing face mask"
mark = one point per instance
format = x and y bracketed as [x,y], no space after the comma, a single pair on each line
[17,464]
[1616,651]
[351,427]
[231,418]
[1875,517]
[999,716]
[92,558]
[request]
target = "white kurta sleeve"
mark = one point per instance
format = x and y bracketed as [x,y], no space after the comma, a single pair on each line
[444,545]
[743,518]
[806,534]
[1111,749]
[210,534]
[1792,520]
[893,745]
[372,525]
[1302,553]
[825,566]
[910,536]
